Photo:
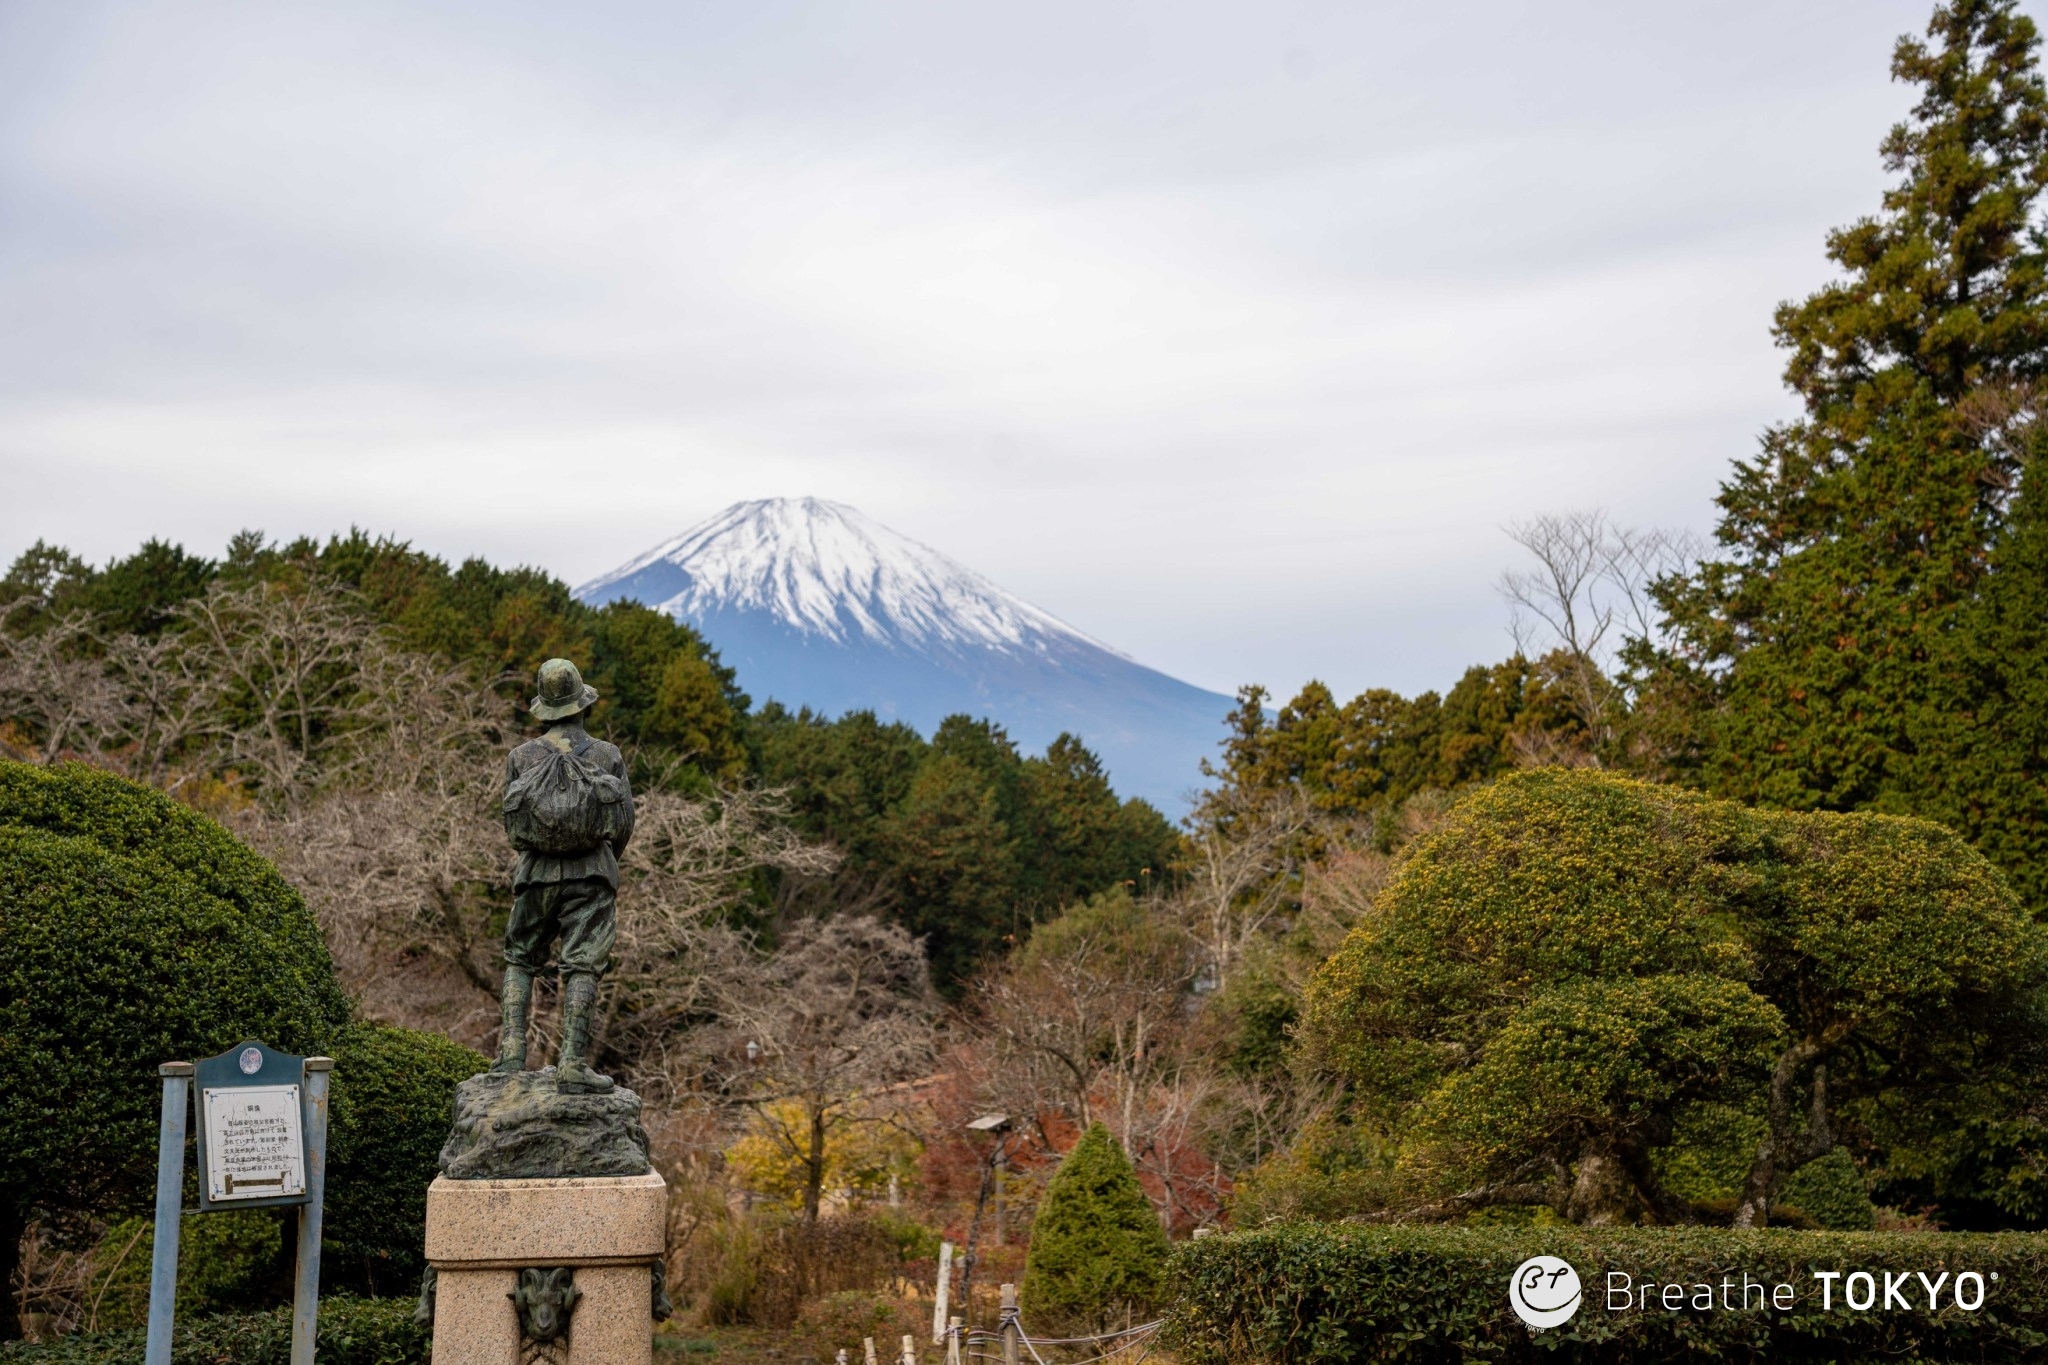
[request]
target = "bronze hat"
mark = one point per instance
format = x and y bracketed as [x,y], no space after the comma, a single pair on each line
[562,691]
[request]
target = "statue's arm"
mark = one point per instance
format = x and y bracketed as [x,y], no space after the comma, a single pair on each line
[511,771]
[625,825]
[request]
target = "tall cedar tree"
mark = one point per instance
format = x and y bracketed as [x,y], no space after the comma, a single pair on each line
[1987,763]
[1812,664]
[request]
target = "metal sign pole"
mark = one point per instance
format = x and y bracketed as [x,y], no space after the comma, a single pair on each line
[170,1203]
[306,1301]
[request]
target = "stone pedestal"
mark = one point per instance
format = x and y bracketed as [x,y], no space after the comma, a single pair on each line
[482,1233]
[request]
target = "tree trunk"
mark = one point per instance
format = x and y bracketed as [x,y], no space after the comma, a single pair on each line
[1783,1149]
[1600,1192]
[814,1166]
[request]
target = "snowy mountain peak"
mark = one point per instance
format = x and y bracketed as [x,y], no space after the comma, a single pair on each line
[823,569]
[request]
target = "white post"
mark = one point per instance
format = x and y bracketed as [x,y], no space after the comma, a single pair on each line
[944,1291]
[909,1350]
[952,1341]
[867,1350]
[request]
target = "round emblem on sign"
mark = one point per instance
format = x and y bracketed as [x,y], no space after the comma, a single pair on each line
[1544,1291]
[251,1061]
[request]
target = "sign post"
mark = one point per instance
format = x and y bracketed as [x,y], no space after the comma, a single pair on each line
[306,1301]
[262,1140]
[170,1202]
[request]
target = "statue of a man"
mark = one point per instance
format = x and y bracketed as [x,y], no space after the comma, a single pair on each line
[569,810]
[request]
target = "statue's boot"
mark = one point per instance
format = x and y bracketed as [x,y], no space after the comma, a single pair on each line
[573,1073]
[516,998]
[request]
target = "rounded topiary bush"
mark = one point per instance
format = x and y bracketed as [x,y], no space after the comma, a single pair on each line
[394,1096]
[1098,1253]
[133,931]
[1830,1191]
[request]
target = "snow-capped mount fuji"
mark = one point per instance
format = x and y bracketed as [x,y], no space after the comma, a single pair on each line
[816,605]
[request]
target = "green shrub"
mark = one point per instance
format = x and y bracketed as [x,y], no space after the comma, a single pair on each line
[914,1241]
[226,1261]
[352,1332]
[1830,1191]
[1317,1294]
[1571,967]
[733,1277]
[1097,1249]
[393,1099]
[132,931]
[1332,1169]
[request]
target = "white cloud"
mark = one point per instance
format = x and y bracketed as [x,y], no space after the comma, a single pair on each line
[1231,334]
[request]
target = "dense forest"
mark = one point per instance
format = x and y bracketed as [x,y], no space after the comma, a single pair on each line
[960,838]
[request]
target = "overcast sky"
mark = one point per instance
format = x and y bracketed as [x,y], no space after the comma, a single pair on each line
[1231,333]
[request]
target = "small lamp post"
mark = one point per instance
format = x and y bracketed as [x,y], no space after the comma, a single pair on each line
[998,1125]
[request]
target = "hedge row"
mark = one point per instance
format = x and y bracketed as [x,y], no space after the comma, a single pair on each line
[1310,1294]
[352,1332]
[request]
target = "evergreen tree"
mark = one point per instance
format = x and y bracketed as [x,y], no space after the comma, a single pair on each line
[1098,1252]
[1984,745]
[1365,757]
[1081,837]
[1807,659]
[957,863]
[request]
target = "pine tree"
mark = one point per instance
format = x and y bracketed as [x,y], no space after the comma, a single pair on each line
[1809,656]
[1097,1251]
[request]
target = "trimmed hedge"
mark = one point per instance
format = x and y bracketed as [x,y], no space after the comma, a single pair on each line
[352,1332]
[1831,1192]
[132,930]
[1321,1294]
[394,1098]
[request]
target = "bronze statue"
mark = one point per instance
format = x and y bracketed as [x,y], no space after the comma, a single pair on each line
[568,809]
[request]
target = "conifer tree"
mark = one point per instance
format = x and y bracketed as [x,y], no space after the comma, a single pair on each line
[1808,658]
[1983,747]
[1097,1249]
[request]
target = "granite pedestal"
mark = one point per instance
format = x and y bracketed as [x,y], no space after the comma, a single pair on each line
[482,1233]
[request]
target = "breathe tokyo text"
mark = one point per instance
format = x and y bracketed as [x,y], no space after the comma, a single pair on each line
[1860,1292]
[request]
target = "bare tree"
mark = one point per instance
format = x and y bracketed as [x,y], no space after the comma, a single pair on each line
[298,661]
[809,1035]
[1244,848]
[691,862]
[1587,595]
[1074,1020]
[53,685]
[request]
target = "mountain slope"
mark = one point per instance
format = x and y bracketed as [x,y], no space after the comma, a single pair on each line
[816,605]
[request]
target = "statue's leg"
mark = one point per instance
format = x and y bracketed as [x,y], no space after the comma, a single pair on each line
[527,932]
[579,994]
[515,1000]
[588,917]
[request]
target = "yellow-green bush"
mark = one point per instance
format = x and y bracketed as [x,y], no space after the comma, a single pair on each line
[1575,965]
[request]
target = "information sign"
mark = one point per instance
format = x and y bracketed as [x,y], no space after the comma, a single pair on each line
[262,1144]
[252,1128]
[255,1144]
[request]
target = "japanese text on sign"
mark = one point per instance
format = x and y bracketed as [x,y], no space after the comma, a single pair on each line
[254,1145]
